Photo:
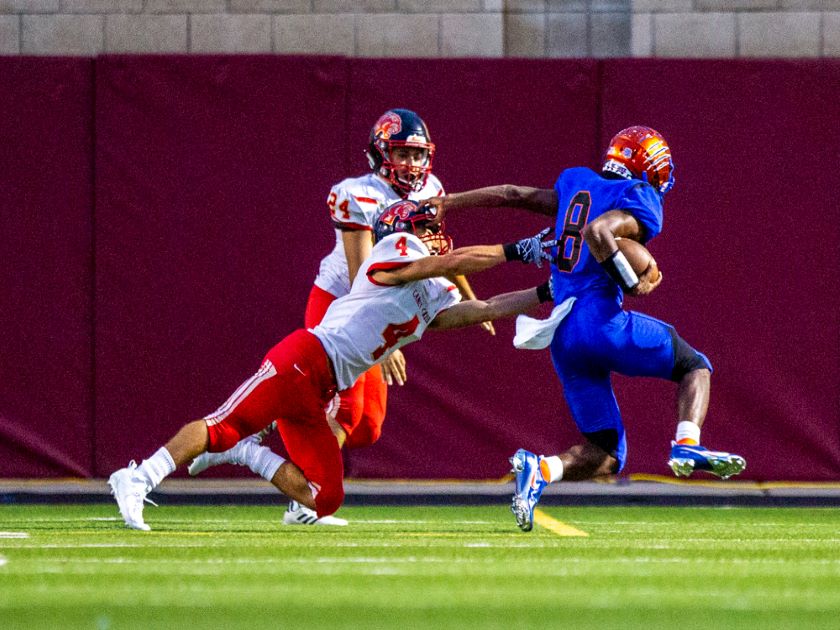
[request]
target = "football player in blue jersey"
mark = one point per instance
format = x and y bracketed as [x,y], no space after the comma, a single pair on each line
[598,336]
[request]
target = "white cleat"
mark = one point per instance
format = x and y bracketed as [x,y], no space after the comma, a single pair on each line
[130,492]
[298,514]
[236,455]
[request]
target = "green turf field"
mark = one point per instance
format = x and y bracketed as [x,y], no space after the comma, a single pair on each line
[421,567]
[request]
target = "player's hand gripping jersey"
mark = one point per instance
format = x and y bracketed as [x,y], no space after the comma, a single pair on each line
[354,204]
[363,327]
[583,196]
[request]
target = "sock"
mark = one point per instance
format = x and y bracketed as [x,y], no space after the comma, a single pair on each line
[688,433]
[262,461]
[551,468]
[156,468]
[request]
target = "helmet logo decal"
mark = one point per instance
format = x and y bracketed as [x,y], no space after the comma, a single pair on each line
[403,209]
[407,216]
[627,152]
[388,124]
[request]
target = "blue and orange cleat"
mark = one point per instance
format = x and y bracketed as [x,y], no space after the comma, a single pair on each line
[529,486]
[685,459]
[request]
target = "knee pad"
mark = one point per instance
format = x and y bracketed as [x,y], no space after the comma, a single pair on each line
[686,358]
[612,441]
[606,440]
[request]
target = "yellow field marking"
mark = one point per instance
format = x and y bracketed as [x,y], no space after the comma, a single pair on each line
[557,527]
[736,484]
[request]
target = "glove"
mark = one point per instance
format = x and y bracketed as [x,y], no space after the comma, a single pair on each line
[531,250]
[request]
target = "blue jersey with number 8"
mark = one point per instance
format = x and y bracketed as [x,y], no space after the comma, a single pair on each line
[584,195]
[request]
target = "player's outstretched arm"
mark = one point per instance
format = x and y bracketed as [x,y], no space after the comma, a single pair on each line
[472,259]
[461,261]
[540,200]
[505,305]
[467,293]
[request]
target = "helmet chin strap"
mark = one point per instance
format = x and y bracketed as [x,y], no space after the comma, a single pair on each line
[402,186]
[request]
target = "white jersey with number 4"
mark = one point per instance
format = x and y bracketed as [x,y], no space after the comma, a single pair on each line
[355,203]
[366,325]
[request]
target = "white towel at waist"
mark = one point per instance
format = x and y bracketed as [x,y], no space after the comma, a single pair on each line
[536,334]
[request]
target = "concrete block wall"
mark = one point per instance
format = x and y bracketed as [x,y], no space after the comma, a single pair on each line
[735,28]
[425,28]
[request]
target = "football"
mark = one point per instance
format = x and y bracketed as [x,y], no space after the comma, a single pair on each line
[638,256]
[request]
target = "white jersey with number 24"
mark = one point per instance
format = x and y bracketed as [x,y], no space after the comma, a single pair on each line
[355,203]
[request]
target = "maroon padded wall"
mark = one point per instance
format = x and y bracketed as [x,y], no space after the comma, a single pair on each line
[210,173]
[46,194]
[129,311]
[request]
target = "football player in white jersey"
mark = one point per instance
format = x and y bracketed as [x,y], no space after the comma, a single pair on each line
[400,291]
[400,154]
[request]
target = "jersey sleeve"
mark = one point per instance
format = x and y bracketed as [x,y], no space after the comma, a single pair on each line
[645,204]
[436,185]
[350,208]
[447,294]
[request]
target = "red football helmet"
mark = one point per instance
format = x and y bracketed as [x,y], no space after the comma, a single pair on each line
[400,128]
[640,152]
[406,216]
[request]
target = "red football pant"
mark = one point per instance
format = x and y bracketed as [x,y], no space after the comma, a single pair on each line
[361,410]
[294,385]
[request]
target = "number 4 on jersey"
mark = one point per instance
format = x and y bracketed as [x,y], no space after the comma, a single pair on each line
[393,333]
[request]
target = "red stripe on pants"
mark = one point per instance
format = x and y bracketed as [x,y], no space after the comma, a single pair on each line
[295,393]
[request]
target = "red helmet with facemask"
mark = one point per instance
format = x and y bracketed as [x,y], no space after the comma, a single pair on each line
[640,152]
[400,128]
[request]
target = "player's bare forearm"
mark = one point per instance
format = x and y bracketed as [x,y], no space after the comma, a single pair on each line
[476,311]
[467,293]
[461,261]
[472,259]
[540,200]
[600,234]
[357,246]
